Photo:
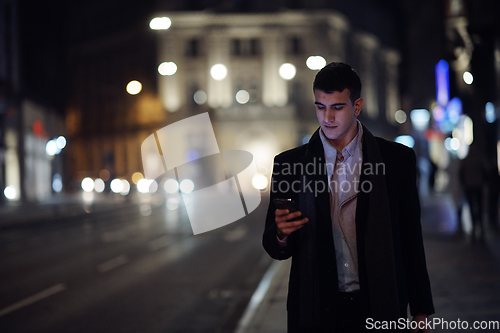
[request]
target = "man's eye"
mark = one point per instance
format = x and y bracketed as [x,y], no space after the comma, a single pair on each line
[339,107]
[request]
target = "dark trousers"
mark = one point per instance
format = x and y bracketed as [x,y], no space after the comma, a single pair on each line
[350,315]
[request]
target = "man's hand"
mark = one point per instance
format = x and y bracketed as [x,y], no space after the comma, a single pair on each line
[421,318]
[285,228]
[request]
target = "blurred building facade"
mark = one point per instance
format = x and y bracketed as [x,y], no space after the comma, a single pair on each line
[110,46]
[253,107]
[106,125]
[29,117]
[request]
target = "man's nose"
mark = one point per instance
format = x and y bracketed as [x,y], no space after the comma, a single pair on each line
[329,115]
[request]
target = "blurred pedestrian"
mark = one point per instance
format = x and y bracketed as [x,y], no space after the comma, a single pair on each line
[357,250]
[472,176]
[432,175]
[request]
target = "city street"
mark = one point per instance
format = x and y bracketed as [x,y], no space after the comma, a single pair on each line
[129,267]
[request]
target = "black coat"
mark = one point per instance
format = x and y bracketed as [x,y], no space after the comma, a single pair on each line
[391,259]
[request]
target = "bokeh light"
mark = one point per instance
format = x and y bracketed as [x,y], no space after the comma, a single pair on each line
[167,68]
[99,185]
[454,144]
[134,87]
[87,184]
[143,185]
[242,96]
[160,23]
[200,97]
[51,148]
[136,177]
[400,116]
[287,71]
[468,78]
[315,62]
[10,192]
[116,185]
[490,114]
[218,72]
[259,181]
[420,118]
[187,186]
[57,184]
[104,174]
[125,187]
[171,186]
[61,142]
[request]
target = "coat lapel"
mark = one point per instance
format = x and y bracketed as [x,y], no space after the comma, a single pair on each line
[316,178]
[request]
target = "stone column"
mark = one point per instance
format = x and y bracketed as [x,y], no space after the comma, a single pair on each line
[368,45]
[170,89]
[391,60]
[339,27]
[220,92]
[274,87]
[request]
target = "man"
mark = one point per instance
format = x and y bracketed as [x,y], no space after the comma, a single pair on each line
[357,250]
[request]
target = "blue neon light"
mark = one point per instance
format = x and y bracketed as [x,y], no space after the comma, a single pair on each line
[442,83]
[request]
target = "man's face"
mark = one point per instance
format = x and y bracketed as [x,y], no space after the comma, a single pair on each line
[337,116]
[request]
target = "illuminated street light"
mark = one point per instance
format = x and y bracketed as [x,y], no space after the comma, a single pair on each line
[160,23]
[490,114]
[116,185]
[51,148]
[455,144]
[259,181]
[99,185]
[61,142]
[136,177]
[200,97]
[400,116]
[87,184]
[242,96]
[10,192]
[420,118]
[287,71]
[315,62]
[125,187]
[187,186]
[167,68]
[57,184]
[468,78]
[218,72]
[134,87]
[143,185]
[171,186]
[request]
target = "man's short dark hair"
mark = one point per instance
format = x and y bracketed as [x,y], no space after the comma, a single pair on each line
[337,76]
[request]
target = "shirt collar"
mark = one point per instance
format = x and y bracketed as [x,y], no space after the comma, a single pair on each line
[349,150]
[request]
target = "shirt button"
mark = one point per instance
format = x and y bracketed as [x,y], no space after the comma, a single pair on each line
[346,265]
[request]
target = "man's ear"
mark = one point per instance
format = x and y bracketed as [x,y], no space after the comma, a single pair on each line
[358,104]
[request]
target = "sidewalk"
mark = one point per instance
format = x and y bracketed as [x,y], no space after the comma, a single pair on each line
[465,274]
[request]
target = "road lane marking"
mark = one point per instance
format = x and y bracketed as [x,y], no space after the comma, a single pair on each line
[34,298]
[257,297]
[113,263]
[159,243]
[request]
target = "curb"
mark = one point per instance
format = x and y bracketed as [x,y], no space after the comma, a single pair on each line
[266,311]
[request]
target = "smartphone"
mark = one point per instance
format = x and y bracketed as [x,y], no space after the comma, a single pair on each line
[287,204]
